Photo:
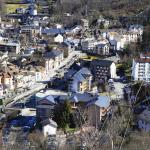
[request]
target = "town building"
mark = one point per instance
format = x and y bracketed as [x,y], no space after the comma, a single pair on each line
[103,69]
[97,109]
[141,68]
[80,81]
[97,47]
[6,80]
[58,38]
[49,127]
[53,59]
[11,47]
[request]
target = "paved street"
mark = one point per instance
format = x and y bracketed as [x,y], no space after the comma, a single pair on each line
[39,86]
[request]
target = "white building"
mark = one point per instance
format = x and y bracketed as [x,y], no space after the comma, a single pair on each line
[59,38]
[93,46]
[49,127]
[136,28]
[103,21]
[141,68]
[102,49]
[53,60]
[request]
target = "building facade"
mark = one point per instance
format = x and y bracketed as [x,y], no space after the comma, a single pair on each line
[103,69]
[141,68]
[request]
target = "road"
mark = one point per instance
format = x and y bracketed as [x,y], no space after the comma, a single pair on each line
[39,86]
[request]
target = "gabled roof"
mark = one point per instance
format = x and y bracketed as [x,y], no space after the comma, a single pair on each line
[82,97]
[49,100]
[103,63]
[101,101]
[113,42]
[82,74]
[49,122]
[53,31]
[101,45]
[53,54]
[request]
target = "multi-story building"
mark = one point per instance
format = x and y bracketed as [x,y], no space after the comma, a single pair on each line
[141,68]
[12,48]
[6,81]
[53,59]
[97,109]
[93,46]
[81,81]
[103,69]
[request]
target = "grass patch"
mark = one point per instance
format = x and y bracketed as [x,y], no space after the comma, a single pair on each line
[11,8]
[90,58]
[70,130]
[13,1]
[118,66]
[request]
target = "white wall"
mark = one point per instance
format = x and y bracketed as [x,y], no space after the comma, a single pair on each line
[49,130]
[113,70]
[59,38]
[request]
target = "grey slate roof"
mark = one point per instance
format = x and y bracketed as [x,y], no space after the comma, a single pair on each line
[82,74]
[53,31]
[101,45]
[53,54]
[101,101]
[50,122]
[82,97]
[103,63]
[48,100]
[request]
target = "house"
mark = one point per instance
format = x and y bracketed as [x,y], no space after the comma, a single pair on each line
[58,38]
[6,80]
[31,30]
[76,29]
[12,48]
[103,69]
[52,31]
[80,81]
[81,99]
[136,28]
[48,100]
[93,46]
[67,48]
[32,10]
[44,112]
[97,109]
[88,44]
[115,44]
[103,21]
[144,120]
[24,79]
[85,23]
[141,68]
[49,127]
[28,52]
[102,49]
[53,59]
[45,106]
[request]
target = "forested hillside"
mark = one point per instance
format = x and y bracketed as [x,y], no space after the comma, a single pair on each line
[107,7]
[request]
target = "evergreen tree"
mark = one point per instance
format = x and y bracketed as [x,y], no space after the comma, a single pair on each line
[62,114]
